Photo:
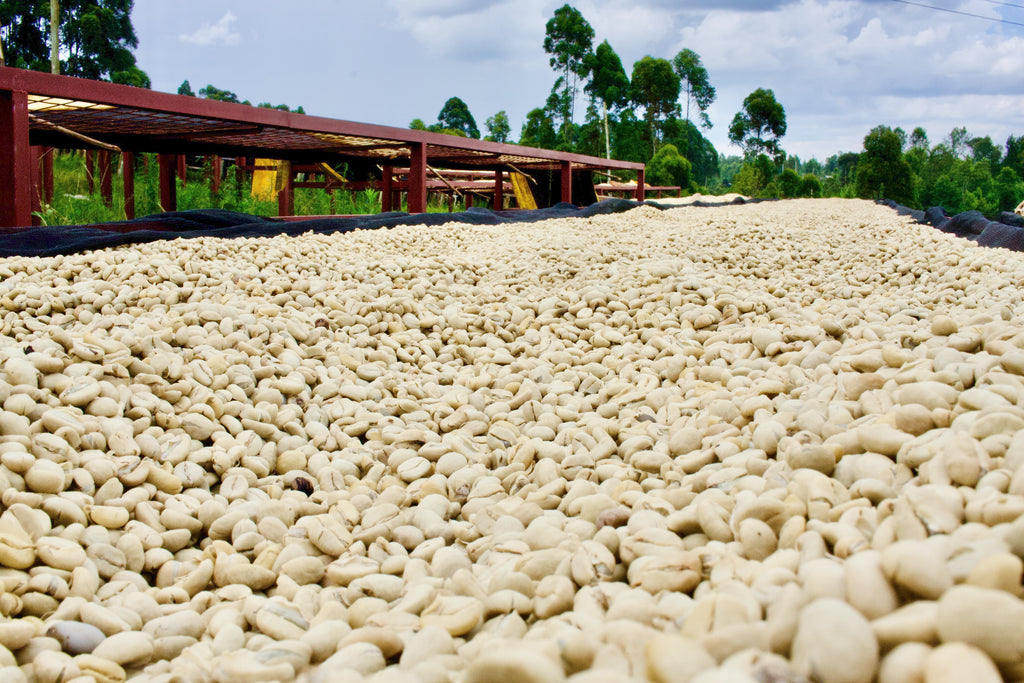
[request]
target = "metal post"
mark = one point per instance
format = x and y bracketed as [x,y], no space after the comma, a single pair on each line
[47,171]
[215,169]
[128,174]
[286,197]
[168,188]
[417,192]
[15,160]
[641,194]
[567,181]
[239,175]
[106,178]
[499,190]
[37,184]
[386,187]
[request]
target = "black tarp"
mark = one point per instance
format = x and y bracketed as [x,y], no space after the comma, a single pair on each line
[72,239]
[1006,233]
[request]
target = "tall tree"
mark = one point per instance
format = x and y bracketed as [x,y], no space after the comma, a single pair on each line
[957,141]
[608,83]
[498,127]
[759,126]
[984,150]
[538,130]
[655,87]
[919,139]
[213,93]
[186,89]
[882,172]
[1014,157]
[96,38]
[693,78]
[454,115]
[568,39]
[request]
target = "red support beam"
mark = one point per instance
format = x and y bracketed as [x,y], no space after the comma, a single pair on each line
[168,188]
[47,171]
[239,175]
[15,160]
[641,194]
[286,197]
[37,183]
[386,186]
[567,181]
[128,173]
[216,169]
[106,178]
[499,190]
[182,170]
[417,192]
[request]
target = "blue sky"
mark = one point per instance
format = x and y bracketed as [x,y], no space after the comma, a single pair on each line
[838,67]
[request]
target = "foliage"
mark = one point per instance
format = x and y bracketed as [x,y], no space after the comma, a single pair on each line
[455,115]
[759,126]
[1014,157]
[568,38]
[73,204]
[695,83]
[668,167]
[789,183]
[655,87]
[609,84]
[882,172]
[810,186]
[186,89]
[538,130]
[96,38]
[697,149]
[212,93]
[498,127]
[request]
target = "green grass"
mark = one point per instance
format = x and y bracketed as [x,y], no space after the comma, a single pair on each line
[73,204]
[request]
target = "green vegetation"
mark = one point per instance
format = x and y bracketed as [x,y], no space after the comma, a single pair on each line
[96,38]
[73,204]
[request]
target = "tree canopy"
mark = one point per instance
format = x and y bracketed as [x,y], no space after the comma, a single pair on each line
[694,81]
[759,126]
[96,38]
[608,84]
[498,127]
[882,172]
[655,87]
[568,38]
[454,115]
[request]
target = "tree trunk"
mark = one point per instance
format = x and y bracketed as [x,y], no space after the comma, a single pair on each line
[607,139]
[55,36]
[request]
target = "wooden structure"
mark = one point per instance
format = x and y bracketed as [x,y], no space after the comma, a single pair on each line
[40,110]
[630,189]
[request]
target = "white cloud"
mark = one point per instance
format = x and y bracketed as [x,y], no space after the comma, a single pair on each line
[495,30]
[217,33]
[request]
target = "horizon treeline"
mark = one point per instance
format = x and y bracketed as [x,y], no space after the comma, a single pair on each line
[648,116]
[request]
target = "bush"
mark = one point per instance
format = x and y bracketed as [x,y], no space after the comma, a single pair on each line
[669,167]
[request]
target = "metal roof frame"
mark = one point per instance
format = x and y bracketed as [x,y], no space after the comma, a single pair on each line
[34,104]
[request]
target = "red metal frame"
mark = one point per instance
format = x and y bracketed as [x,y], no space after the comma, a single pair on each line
[168,188]
[139,120]
[128,173]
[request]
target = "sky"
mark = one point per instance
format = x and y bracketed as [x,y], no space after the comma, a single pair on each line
[839,67]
